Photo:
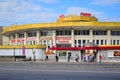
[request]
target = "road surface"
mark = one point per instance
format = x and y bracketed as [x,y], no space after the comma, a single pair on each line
[59,71]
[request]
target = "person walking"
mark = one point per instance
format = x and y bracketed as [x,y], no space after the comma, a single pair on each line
[56,57]
[69,55]
[46,58]
[84,57]
[100,57]
[77,58]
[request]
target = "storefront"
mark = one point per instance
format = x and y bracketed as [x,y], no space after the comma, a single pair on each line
[86,53]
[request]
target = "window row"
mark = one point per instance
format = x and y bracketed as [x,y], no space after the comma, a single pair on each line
[115,42]
[80,43]
[99,32]
[81,32]
[46,33]
[115,33]
[96,42]
[63,32]
[68,32]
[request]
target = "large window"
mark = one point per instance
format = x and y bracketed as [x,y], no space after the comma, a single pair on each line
[99,32]
[21,35]
[46,33]
[13,36]
[81,32]
[62,53]
[63,45]
[63,32]
[32,34]
[115,33]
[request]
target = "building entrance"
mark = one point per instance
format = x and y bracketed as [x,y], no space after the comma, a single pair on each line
[88,55]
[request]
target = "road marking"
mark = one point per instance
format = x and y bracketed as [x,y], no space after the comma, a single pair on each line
[70,71]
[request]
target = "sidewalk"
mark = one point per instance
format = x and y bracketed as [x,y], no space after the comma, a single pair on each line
[54,62]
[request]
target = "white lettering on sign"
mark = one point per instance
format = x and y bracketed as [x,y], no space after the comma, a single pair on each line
[65,39]
[31,39]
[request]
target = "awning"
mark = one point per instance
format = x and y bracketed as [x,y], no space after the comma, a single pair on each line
[87,48]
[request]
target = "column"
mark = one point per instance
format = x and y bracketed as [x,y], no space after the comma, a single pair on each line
[25,41]
[54,38]
[40,41]
[91,35]
[72,39]
[16,38]
[38,37]
[77,43]
[108,37]
[10,39]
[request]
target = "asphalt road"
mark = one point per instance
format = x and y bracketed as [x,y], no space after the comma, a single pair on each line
[59,71]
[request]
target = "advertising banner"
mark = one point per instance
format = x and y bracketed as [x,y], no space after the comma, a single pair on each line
[63,39]
[23,50]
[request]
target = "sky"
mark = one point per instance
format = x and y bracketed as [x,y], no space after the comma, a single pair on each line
[44,11]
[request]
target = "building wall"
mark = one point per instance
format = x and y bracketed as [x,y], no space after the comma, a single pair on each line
[1,28]
[109,55]
[5,40]
[39,53]
[50,41]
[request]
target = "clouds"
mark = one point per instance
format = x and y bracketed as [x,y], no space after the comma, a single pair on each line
[105,2]
[37,11]
[24,11]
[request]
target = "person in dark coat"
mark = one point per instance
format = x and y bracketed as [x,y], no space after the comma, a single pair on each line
[56,57]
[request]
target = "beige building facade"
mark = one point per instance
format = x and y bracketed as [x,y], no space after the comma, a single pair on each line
[69,35]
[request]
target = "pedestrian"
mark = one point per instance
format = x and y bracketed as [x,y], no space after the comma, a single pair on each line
[46,58]
[56,57]
[91,58]
[88,58]
[69,56]
[77,58]
[84,58]
[100,57]
[30,58]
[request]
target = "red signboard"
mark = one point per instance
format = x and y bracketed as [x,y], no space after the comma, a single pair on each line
[13,40]
[31,38]
[61,16]
[85,14]
[65,39]
[18,40]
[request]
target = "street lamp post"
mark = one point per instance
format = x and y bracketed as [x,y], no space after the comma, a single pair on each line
[14,54]
[33,51]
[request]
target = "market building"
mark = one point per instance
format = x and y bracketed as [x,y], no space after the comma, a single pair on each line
[1,28]
[71,35]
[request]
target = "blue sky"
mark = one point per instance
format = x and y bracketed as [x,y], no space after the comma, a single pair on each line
[42,11]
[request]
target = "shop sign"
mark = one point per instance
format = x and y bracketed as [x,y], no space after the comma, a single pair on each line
[116,53]
[31,39]
[45,38]
[13,40]
[61,16]
[63,39]
[85,14]
[20,40]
